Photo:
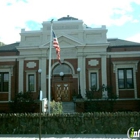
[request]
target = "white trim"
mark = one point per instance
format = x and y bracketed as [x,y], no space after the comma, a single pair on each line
[65,36]
[7,59]
[20,77]
[104,74]
[42,66]
[65,62]
[124,54]
[34,73]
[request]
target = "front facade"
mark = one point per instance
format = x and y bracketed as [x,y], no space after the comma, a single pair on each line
[102,61]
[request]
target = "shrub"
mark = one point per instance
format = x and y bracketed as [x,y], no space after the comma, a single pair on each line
[107,104]
[56,107]
[22,103]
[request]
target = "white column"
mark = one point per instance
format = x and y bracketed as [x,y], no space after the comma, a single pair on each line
[9,95]
[135,81]
[81,64]
[20,82]
[42,66]
[104,74]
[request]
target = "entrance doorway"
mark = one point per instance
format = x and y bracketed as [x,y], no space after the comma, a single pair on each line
[61,86]
[62,92]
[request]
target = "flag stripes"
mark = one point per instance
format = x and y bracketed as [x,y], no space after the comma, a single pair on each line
[56,46]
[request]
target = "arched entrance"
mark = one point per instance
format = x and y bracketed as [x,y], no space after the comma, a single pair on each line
[62,86]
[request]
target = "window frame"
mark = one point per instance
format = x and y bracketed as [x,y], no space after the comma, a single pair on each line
[2,84]
[91,79]
[60,68]
[125,79]
[27,80]
[97,78]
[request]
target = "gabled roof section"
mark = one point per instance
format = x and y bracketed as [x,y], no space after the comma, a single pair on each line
[9,47]
[71,38]
[122,43]
[65,40]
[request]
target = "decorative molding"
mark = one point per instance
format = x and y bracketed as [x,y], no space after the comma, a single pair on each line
[125,64]
[65,62]
[63,27]
[7,68]
[31,65]
[93,62]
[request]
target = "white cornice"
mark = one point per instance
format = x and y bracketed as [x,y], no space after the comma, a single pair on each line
[8,58]
[27,48]
[97,44]
[65,36]
[122,53]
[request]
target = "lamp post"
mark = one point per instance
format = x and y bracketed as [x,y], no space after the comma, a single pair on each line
[79,95]
[61,75]
[40,98]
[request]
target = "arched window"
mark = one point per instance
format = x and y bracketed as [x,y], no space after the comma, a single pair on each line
[62,68]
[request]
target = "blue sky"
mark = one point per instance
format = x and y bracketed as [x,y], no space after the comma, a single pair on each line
[121,17]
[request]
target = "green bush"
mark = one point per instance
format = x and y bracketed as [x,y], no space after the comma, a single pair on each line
[22,103]
[93,102]
[56,107]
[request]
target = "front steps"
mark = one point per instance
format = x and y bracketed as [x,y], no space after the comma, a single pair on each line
[68,107]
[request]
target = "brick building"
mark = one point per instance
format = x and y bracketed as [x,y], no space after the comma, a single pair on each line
[109,62]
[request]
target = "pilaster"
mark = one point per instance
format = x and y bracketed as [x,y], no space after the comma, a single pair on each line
[21,67]
[81,64]
[104,74]
[42,66]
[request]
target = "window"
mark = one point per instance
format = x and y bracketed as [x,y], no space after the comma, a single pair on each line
[4,81]
[93,79]
[31,82]
[125,78]
[62,68]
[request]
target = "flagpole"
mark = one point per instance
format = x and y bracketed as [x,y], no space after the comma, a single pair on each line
[49,74]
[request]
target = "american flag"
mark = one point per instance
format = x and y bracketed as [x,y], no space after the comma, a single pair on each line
[56,46]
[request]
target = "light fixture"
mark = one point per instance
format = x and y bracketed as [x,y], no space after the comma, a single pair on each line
[78,69]
[62,75]
[79,95]
[39,70]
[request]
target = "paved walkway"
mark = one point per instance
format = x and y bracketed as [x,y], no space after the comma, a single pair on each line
[65,137]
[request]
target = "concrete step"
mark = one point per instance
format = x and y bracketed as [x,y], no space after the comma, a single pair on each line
[68,107]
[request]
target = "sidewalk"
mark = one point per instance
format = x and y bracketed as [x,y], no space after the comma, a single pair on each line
[65,137]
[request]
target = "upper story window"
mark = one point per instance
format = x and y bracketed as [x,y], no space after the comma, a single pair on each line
[4,81]
[62,68]
[125,78]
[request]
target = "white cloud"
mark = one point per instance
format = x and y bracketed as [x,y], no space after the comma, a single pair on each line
[135,38]
[97,12]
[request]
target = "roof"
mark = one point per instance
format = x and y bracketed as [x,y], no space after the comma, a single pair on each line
[115,42]
[67,18]
[9,47]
